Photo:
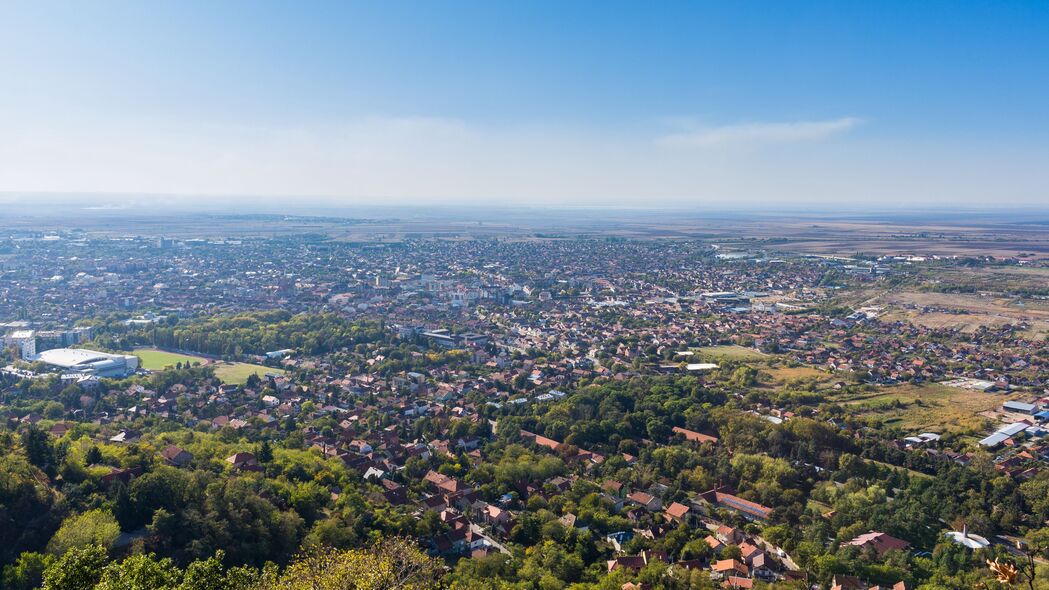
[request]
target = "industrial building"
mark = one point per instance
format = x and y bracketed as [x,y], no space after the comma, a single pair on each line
[447,339]
[80,360]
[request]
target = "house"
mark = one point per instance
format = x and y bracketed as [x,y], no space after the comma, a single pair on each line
[646,500]
[840,582]
[493,515]
[729,535]
[125,437]
[445,484]
[124,475]
[394,492]
[678,513]
[880,542]
[756,559]
[731,567]
[59,429]
[175,456]
[613,487]
[750,510]
[636,562]
[696,437]
[373,472]
[540,440]
[244,461]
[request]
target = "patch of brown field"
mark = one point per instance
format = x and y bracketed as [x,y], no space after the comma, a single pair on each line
[928,407]
[965,323]
[851,246]
[964,312]
[784,374]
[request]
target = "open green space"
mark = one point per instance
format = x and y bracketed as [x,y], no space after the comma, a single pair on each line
[239,372]
[911,472]
[153,359]
[731,352]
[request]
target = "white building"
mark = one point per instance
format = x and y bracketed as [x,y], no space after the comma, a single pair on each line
[80,360]
[25,340]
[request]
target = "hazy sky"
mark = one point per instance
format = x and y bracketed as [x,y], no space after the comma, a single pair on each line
[566,102]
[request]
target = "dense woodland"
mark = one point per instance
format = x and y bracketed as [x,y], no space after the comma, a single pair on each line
[253,333]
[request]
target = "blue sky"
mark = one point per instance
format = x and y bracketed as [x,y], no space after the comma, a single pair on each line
[669,103]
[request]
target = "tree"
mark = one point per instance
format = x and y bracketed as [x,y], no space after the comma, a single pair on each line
[54,410]
[265,454]
[731,552]
[79,568]
[27,572]
[92,528]
[164,487]
[205,574]
[253,381]
[140,572]
[308,499]
[39,450]
[393,564]
[92,456]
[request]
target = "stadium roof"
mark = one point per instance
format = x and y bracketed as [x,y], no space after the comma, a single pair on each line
[74,357]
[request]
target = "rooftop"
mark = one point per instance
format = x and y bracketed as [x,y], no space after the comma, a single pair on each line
[73,357]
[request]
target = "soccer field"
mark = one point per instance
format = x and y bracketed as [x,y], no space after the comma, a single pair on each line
[157,360]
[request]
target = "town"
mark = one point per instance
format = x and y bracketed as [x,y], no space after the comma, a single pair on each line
[627,413]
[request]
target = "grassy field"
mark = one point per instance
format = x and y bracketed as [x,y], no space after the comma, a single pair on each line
[818,506]
[782,375]
[158,360]
[912,472]
[239,372]
[731,353]
[927,407]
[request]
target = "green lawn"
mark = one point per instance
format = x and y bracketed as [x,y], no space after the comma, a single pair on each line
[731,353]
[158,360]
[910,471]
[239,372]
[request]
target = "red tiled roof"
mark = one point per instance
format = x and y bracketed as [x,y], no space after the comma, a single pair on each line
[677,510]
[745,506]
[693,436]
[880,541]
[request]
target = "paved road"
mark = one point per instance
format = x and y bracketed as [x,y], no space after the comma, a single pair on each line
[477,530]
[783,555]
